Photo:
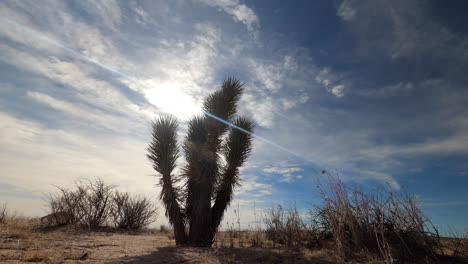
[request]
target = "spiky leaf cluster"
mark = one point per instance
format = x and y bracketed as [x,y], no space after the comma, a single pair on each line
[209,184]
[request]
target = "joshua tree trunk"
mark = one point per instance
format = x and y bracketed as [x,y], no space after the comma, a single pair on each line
[200,216]
[206,180]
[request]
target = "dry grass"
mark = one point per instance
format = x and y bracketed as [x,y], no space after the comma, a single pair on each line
[3,212]
[456,245]
[384,224]
[22,241]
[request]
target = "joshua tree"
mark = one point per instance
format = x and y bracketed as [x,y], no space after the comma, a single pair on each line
[198,196]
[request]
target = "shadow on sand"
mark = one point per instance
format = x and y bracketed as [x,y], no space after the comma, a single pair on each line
[221,255]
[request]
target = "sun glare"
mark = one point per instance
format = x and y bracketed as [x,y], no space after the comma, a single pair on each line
[173,99]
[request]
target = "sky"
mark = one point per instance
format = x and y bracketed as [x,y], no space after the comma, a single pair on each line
[374,91]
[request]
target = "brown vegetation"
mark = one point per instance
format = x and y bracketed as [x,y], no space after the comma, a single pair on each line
[95,204]
[385,223]
[24,241]
[131,212]
[3,212]
[286,227]
[456,245]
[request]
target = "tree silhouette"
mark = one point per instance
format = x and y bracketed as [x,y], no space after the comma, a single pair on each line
[198,196]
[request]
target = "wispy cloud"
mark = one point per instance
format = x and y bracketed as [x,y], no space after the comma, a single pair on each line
[287,174]
[346,11]
[240,12]
[94,99]
[338,90]
[66,117]
[400,29]
[455,203]
[332,81]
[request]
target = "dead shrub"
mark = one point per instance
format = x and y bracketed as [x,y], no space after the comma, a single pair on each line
[163,229]
[93,203]
[96,204]
[89,204]
[285,227]
[457,244]
[462,250]
[64,207]
[3,213]
[255,233]
[385,223]
[132,212]
[56,219]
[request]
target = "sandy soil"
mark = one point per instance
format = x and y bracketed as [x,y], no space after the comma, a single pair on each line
[22,244]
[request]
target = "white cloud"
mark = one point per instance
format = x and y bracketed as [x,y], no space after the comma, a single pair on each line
[323,76]
[261,109]
[183,69]
[457,143]
[58,66]
[271,75]
[338,90]
[252,188]
[290,64]
[281,170]
[288,174]
[379,177]
[346,11]
[410,30]
[270,79]
[329,79]
[187,70]
[180,76]
[90,117]
[59,156]
[292,102]
[243,14]
[75,75]
[268,76]
[34,158]
[240,12]
[398,89]
[108,11]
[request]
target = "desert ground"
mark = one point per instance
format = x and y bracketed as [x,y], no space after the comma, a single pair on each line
[23,241]
[20,242]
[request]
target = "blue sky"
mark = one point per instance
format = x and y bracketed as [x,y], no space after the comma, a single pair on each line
[373,90]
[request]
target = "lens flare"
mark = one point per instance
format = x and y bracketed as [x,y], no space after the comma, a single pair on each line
[261,138]
[133,79]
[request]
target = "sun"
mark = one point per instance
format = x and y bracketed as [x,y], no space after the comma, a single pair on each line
[172,98]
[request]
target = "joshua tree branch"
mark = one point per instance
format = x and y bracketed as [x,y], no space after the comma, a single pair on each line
[236,149]
[163,152]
